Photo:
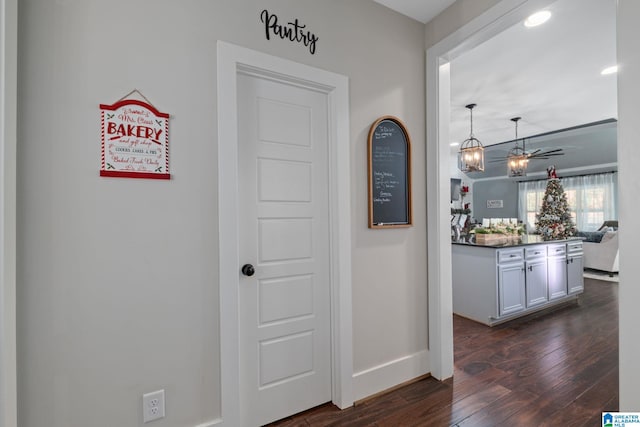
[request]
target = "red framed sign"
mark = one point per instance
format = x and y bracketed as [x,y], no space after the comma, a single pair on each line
[135,140]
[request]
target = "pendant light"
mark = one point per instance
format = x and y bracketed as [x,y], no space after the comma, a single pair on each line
[517,158]
[471,154]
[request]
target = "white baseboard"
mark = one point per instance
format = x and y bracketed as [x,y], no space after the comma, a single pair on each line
[211,423]
[387,375]
[379,378]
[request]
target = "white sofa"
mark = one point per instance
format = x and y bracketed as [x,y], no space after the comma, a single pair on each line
[604,255]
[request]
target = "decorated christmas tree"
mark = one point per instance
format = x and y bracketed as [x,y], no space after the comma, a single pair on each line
[554,220]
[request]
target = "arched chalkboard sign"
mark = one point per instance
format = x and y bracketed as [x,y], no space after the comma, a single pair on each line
[389,154]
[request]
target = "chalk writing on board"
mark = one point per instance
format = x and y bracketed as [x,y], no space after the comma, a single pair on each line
[383,182]
[383,132]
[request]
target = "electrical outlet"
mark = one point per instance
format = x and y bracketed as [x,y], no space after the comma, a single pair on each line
[152,406]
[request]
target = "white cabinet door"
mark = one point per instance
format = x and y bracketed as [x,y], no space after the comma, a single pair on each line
[557,277]
[536,282]
[511,287]
[575,280]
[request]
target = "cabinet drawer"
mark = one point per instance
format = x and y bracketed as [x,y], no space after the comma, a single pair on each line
[557,250]
[510,255]
[534,252]
[574,247]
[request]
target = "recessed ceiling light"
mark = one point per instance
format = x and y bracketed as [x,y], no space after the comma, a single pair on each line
[609,70]
[537,18]
[454,144]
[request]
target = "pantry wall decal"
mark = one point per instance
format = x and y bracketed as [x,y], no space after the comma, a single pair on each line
[293,31]
[135,140]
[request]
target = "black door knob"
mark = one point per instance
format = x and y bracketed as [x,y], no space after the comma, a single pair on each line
[248,270]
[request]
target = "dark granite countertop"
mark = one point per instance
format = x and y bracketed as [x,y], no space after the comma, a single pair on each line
[526,240]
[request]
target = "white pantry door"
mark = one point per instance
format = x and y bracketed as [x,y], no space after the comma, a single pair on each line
[284,308]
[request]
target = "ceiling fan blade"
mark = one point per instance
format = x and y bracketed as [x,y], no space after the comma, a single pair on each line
[547,154]
[552,151]
[545,157]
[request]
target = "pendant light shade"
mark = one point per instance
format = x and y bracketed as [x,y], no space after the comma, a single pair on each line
[471,154]
[517,158]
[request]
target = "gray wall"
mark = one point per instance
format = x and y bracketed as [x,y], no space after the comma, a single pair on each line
[495,189]
[117,278]
[506,189]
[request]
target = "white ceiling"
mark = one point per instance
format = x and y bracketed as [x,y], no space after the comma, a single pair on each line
[548,75]
[420,10]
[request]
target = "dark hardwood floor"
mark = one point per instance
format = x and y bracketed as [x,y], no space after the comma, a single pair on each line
[551,369]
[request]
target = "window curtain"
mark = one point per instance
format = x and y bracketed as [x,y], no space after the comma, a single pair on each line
[592,199]
[595,199]
[530,201]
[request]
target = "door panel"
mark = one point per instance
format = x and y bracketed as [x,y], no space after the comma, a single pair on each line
[284,181]
[285,297]
[512,288]
[276,365]
[575,271]
[536,282]
[298,122]
[284,230]
[285,239]
[557,277]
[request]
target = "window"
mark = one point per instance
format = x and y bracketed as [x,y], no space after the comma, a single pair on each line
[591,198]
[533,199]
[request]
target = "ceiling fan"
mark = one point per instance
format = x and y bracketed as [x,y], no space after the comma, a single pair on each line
[523,155]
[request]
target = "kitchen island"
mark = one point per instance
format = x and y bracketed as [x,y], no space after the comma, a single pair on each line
[496,283]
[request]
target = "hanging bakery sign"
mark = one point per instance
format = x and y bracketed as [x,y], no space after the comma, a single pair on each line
[135,140]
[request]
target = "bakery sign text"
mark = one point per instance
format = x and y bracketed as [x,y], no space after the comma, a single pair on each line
[135,141]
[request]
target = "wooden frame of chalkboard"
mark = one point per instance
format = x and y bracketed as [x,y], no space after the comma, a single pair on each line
[389,174]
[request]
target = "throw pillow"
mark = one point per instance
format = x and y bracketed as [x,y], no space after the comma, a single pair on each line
[591,236]
[608,236]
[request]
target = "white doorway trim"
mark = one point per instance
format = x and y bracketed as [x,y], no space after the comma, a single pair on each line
[231,58]
[492,22]
[8,136]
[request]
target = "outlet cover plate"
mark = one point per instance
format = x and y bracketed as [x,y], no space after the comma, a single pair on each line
[152,406]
